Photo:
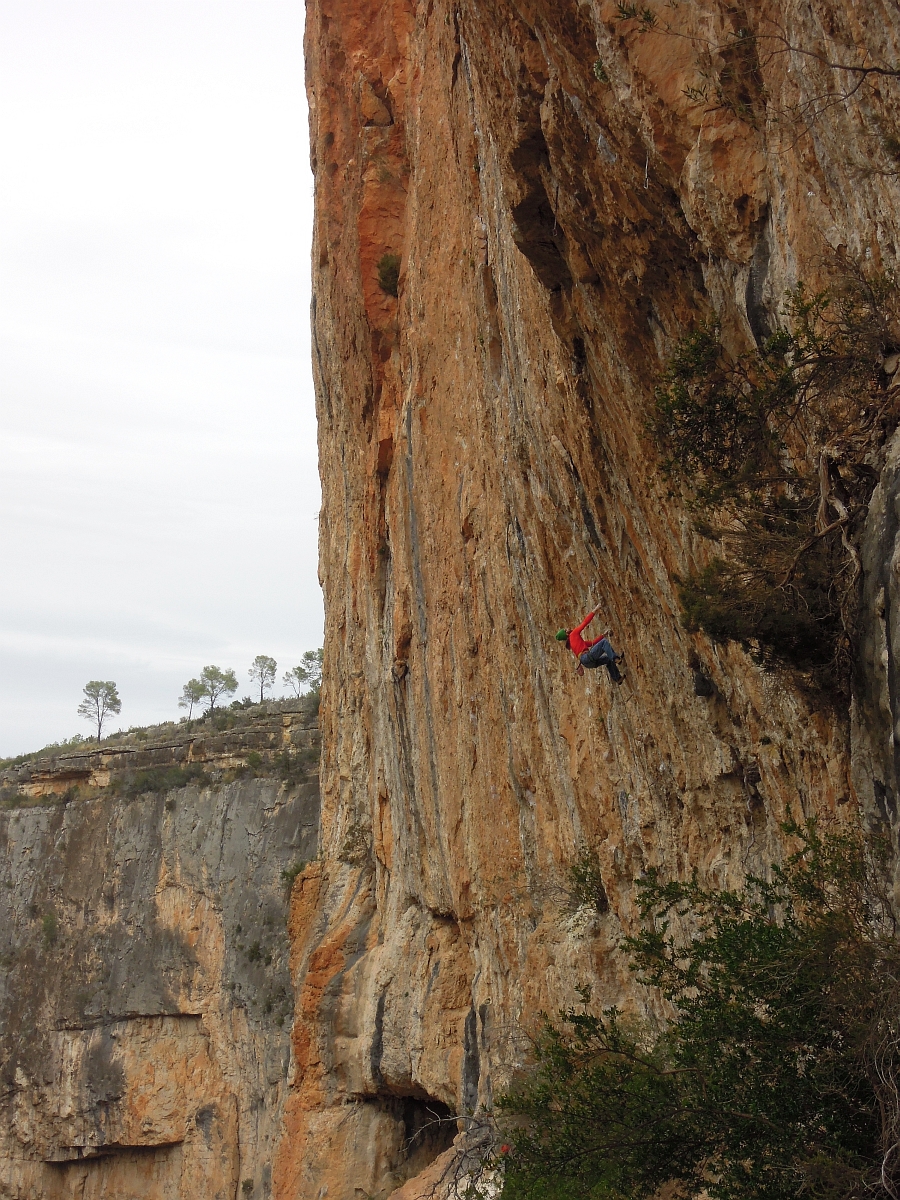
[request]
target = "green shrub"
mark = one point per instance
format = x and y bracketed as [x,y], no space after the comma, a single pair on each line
[585,883]
[49,928]
[290,874]
[254,759]
[160,779]
[800,624]
[12,797]
[292,768]
[711,413]
[776,1075]
[776,445]
[389,273]
[76,742]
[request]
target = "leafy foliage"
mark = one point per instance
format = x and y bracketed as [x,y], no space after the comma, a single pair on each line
[101,700]
[262,671]
[215,683]
[192,693]
[293,768]
[290,874]
[801,624]
[777,445]
[76,740]
[306,678]
[160,779]
[777,1072]
[388,268]
[630,12]
[585,882]
[49,928]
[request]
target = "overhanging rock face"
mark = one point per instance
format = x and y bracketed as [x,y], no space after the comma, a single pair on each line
[565,204]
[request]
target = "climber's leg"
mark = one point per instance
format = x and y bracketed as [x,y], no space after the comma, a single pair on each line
[601,654]
[614,672]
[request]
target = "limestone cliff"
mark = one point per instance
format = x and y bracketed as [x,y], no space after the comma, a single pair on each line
[145,998]
[567,192]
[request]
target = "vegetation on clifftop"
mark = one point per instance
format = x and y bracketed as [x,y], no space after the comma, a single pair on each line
[244,741]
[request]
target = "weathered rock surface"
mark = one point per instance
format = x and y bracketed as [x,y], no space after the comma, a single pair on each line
[145,997]
[566,203]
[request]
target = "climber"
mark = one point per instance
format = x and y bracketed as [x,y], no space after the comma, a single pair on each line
[598,653]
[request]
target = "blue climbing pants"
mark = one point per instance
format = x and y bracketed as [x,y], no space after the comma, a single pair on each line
[601,655]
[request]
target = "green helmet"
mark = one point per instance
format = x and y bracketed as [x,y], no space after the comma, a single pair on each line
[562,635]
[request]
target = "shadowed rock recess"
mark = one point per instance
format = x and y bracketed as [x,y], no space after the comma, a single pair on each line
[145,995]
[568,194]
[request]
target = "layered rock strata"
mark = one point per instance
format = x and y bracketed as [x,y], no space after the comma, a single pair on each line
[216,745]
[145,996]
[568,193]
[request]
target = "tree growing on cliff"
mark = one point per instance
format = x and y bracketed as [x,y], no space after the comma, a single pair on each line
[216,683]
[776,1075]
[262,671]
[777,445]
[192,693]
[101,700]
[306,679]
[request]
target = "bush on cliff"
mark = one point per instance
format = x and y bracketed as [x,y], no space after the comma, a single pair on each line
[388,269]
[776,1072]
[777,445]
[801,624]
[159,780]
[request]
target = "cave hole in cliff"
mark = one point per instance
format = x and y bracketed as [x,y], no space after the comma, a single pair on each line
[429,1128]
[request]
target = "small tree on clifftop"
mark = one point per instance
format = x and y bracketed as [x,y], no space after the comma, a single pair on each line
[215,683]
[192,693]
[262,671]
[307,677]
[100,700]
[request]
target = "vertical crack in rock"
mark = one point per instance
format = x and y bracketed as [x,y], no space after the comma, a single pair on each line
[471,1073]
[378,1041]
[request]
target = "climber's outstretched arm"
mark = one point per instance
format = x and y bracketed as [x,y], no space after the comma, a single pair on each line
[587,620]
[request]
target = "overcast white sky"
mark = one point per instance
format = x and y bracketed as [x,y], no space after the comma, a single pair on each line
[158,479]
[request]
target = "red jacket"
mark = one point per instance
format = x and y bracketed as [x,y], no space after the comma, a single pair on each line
[576,642]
